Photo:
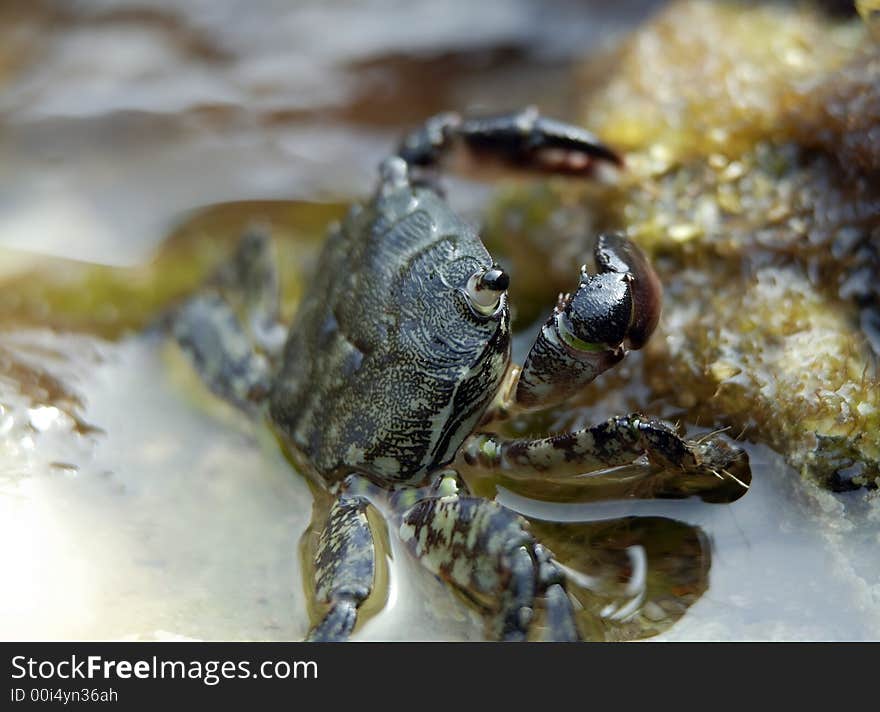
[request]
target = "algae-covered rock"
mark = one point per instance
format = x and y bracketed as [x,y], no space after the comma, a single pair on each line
[752,143]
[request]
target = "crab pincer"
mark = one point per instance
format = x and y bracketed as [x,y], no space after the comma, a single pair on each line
[520,141]
[590,330]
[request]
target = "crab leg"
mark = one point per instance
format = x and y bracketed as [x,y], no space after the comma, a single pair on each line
[210,333]
[344,568]
[523,139]
[487,552]
[618,441]
[231,330]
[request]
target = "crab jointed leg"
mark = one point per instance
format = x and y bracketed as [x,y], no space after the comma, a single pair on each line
[617,441]
[486,551]
[344,568]
[231,329]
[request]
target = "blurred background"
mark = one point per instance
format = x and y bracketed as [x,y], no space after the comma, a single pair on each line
[117,117]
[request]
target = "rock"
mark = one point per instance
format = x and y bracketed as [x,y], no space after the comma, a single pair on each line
[752,143]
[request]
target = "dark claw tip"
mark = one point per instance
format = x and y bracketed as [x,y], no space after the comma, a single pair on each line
[616,253]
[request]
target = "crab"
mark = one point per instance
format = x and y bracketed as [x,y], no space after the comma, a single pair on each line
[398,363]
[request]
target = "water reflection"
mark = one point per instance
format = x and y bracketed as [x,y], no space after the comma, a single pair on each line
[633,577]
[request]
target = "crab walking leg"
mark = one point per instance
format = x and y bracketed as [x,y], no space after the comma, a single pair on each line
[344,568]
[231,331]
[615,442]
[249,283]
[486,550]
[209,332]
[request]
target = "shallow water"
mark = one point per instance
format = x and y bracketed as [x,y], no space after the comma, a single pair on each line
[178,520]
[175,519]
[171,520]
[788,562]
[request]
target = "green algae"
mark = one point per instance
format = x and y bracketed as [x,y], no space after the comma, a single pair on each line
[110,301]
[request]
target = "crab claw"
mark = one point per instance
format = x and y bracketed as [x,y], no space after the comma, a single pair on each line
[616,254]
[534,142]
[590,330]
[522,140]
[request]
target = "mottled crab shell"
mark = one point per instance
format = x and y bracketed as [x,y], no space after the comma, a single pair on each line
[387,367]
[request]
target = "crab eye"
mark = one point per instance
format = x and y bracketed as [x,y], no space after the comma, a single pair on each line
[484,289]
